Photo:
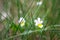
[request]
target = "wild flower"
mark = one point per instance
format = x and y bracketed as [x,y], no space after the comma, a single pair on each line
[38,22]
[39,3]
[21,21]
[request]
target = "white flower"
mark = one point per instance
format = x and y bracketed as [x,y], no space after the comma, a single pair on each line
[38,22]
[39,3]
[21,21]
[4,15]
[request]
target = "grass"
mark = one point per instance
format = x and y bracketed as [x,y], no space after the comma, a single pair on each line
[48,11]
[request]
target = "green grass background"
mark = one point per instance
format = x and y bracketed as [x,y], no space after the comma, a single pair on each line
[49,12]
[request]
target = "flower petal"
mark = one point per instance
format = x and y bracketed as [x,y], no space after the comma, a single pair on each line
[21,18]
[35,21]
[24,20]
[38,19]
[41,21]
[39,3]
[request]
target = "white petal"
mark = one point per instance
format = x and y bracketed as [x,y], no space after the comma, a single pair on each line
[36,24]
[39,3]
[41,21]
[20,19]
[38,19]
[23,20]
[35,21]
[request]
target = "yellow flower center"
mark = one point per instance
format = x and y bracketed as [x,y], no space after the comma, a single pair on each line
[22,23]
[40,25]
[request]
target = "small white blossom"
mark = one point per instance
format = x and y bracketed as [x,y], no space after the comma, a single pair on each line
[38,22]
[39,3]
[21,21]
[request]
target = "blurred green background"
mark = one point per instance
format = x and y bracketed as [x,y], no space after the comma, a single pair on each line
[12,10]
